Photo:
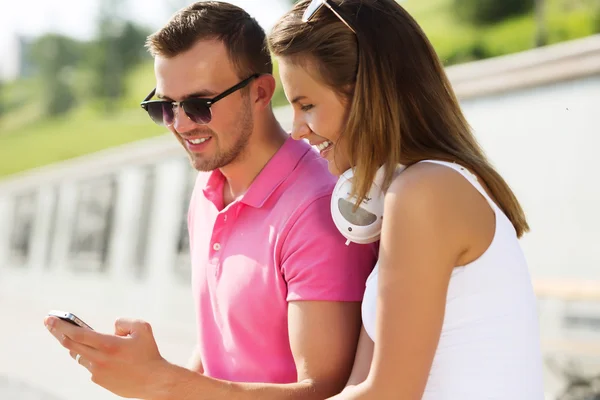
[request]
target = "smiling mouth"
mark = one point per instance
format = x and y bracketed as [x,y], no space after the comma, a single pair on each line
[323,146]
[197,141]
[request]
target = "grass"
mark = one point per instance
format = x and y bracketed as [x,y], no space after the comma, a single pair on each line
[29,140]
[456,41]
[82,132]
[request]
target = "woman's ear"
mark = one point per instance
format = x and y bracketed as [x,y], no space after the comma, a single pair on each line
[349,91]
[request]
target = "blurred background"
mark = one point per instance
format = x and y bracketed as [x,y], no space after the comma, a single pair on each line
[93,195]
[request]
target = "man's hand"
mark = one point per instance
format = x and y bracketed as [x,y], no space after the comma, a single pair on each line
[127,363]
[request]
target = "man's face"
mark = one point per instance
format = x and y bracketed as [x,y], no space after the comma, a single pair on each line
[206,71]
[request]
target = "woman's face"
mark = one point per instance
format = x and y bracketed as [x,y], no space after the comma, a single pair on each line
[319,113]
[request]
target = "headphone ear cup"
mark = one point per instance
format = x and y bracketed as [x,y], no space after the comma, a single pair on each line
[362,225]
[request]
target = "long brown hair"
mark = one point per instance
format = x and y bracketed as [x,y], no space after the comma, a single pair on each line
[402,106]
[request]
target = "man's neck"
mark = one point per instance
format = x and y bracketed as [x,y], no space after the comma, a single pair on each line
[262,147]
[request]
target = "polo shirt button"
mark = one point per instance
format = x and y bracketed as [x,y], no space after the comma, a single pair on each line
[225,218]
[216,247]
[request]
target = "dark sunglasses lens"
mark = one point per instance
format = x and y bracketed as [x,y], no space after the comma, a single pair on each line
[197,111]
[161,113]
[311,10]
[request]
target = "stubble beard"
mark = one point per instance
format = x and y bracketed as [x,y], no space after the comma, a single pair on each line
[235,152]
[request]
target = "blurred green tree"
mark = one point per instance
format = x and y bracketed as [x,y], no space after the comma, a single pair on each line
[482,12]
[541,31]
[1,99]
[118,48]
[55,57]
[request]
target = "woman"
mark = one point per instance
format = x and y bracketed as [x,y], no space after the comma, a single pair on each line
[449,311]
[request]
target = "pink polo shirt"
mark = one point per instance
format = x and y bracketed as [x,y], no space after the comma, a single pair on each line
[275,245]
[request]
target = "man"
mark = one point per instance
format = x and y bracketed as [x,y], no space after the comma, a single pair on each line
[277,291]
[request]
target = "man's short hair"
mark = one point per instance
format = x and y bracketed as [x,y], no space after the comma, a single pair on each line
[243,37]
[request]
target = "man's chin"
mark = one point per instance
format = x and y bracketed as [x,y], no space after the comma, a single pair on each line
[203,165]
[198,165]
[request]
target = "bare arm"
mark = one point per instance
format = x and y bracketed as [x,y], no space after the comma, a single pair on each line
[322,334]
[323,338]
[421,242]
[362,360]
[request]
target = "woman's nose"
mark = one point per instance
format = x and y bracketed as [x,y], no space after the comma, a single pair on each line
[300,131]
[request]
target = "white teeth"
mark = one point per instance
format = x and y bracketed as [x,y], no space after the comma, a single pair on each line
[198,141]
[324,145]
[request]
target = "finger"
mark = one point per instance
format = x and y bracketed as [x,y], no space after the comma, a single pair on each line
[124,326]
[84,362]
[57,331]
[132,327]
[74,355]
[87,337]
[81,360]
[82,350]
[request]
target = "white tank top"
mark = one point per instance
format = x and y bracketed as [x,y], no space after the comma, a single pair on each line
[489,346]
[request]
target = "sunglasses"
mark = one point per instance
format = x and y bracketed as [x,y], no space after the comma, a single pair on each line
[197,109]
[316,5]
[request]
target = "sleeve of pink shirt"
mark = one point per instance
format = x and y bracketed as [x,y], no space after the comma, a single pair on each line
[316,262]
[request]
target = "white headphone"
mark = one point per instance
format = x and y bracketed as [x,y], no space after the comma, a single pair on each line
[364,225]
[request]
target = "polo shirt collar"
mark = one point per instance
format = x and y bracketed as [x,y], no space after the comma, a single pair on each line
[277,169]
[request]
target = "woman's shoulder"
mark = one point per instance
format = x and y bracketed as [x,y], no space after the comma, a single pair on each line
[428,181]
[443,201]
[430,190]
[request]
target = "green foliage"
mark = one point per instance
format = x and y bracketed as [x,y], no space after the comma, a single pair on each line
[83,131]
[120,47]
[61,99]
[458,42]
[79,81]
[53,52]
[279,98]
[516,34]
[481,12]
[55,56]
[1,98]
[140,81]
[22,104]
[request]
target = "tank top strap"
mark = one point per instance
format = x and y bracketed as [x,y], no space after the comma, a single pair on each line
[469,176]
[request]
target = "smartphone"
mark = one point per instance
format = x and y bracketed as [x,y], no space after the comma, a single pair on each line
[70,318]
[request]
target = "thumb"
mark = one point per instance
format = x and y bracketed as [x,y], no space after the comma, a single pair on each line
[124,326]
[132,327]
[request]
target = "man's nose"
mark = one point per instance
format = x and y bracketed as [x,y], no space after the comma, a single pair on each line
[181,122]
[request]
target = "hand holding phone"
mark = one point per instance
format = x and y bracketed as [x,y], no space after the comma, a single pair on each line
[70,318]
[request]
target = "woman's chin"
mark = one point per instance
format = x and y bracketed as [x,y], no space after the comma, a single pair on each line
[334,169]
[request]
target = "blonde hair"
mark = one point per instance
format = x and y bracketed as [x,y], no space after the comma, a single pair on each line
[402,106]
